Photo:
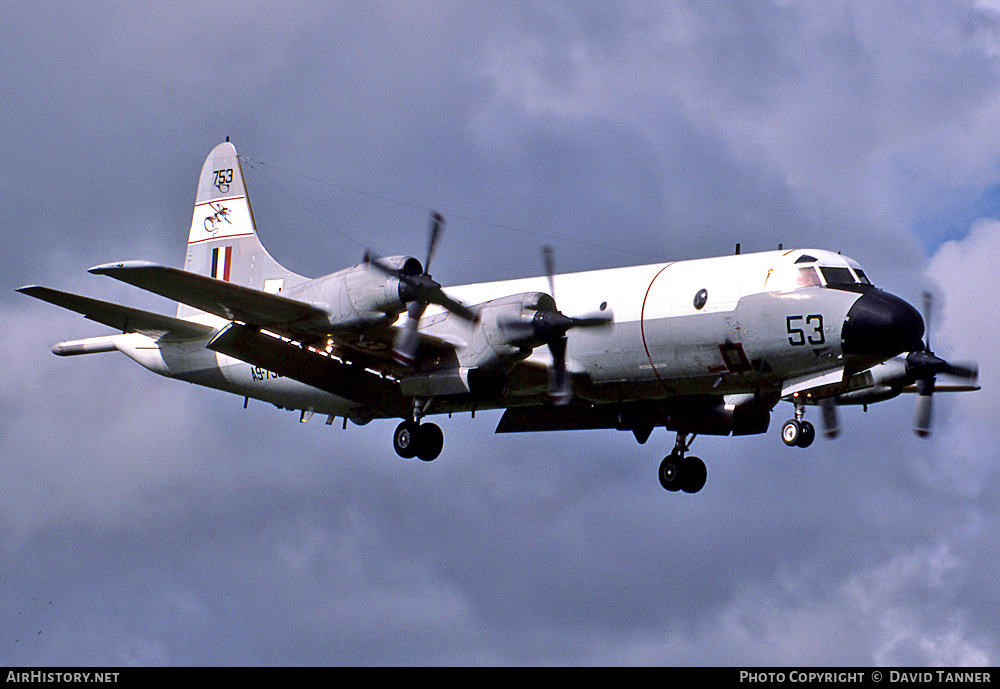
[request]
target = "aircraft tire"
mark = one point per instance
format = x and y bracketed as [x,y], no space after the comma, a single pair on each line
[406,439]
[670,473]
[791,433]
[430,441]
[693,474]
[808,434]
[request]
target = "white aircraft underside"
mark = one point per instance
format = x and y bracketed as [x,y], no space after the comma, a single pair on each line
[702,346]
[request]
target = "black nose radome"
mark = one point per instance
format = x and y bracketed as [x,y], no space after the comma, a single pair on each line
[882,324]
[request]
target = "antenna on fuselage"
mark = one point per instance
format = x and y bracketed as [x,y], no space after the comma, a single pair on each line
[737,248]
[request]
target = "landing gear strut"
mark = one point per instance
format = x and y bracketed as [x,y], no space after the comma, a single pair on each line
[796,432]
[679,472]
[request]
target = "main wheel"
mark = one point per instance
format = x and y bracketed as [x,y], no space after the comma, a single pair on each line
[430,441]
[670,472]
[693,475]
[406,439]
[791,432]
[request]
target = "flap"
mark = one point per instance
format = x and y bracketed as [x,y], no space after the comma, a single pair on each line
[352,382]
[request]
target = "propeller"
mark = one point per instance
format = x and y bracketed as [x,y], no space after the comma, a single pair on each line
[417,290]
[924,367]
[551,327]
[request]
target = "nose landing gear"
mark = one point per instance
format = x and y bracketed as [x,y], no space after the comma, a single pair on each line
[680,472]
[796,432]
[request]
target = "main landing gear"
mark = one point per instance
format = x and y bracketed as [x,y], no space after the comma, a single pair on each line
[679,472]
[414,439]
[796,432]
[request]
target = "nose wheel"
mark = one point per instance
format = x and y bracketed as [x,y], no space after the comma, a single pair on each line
[678,472]
[797,432]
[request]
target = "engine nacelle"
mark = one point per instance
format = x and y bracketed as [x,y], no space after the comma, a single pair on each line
[490,345]
[889,379]
[361,296]
[876,393]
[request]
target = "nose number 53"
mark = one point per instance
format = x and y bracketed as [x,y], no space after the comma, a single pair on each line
[805,329]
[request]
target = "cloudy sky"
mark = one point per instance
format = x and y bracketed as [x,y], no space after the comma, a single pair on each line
[146,521]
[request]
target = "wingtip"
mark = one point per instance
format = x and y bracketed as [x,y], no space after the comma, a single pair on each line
[106,268]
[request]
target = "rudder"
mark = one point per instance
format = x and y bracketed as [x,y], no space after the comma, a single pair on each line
[222,242]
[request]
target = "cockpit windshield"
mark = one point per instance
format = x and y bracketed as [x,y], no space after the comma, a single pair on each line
[822,269]
[808,277]
[837,276]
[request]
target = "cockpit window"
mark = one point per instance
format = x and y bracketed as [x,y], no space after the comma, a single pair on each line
[837,276]
[805,258]
[861,276]
[808,277]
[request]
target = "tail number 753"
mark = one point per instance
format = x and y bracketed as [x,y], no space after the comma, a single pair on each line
[805,330]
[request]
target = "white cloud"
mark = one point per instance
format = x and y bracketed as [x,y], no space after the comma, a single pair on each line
[965,327]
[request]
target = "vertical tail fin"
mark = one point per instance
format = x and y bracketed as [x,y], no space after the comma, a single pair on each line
[223,239]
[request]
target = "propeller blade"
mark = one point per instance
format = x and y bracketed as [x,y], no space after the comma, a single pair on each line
[596,319]
[967,370]
[464,312]
[404,349]
[514,329]
[550,263]
[437,223]
[560,383]
[924,414]
[831,426]
[924,364]
[377,263]
[925,406]
[928,304]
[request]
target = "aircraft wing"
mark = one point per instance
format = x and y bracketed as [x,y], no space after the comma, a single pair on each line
[307,365]
[124,318]
[944,387]
[218,297]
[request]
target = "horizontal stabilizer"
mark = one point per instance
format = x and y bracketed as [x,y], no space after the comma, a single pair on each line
[218,297]
[124,318]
